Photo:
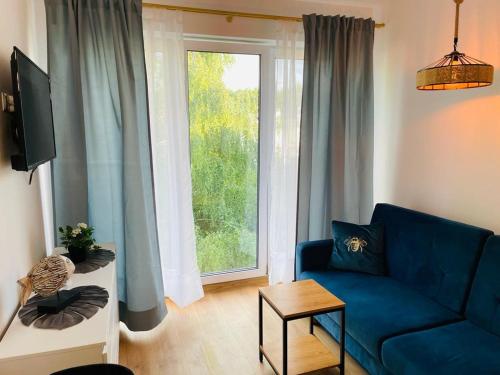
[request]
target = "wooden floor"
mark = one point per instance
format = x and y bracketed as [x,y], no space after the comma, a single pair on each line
[216,335]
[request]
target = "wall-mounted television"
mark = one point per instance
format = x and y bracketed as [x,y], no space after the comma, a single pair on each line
[33,123]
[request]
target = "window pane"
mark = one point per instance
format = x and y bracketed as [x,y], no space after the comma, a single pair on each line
[224,131]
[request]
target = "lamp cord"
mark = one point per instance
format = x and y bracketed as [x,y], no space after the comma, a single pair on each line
[31,174]
[457,18]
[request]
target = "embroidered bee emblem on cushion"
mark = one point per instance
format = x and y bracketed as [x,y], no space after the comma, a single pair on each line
[355,244]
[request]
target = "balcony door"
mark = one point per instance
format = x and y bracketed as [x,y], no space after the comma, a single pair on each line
[228,98]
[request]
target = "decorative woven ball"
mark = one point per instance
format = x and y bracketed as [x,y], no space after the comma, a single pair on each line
[50,274]
[46,277]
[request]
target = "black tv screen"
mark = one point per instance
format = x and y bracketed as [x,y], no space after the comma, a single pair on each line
[33,122]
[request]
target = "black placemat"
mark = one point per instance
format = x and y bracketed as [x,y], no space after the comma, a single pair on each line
[96,259]
[92,298]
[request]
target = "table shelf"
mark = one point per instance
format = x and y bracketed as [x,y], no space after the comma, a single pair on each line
[305,354]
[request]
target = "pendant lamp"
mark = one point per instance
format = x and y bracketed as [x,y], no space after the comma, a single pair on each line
[455,70]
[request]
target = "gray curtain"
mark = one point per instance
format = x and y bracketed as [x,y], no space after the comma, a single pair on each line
[336,136]
[102,173]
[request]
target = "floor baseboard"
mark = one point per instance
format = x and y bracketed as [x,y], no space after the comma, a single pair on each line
[254,281]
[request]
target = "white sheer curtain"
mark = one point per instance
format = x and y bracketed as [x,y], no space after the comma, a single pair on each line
[284,165]
[165,64]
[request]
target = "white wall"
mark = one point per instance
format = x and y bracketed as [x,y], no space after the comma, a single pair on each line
[21,229]
[438,152]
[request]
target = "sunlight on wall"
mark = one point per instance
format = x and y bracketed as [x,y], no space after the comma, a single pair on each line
[439,151]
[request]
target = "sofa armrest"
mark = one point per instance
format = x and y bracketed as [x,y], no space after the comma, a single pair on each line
[312,255]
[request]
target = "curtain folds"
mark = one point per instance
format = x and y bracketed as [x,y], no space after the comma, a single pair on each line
[165,62]
[284,161]
[103,171]
[336,141]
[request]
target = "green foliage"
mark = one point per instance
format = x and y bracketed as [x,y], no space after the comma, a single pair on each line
[220,250]
[80,236]
[224,164]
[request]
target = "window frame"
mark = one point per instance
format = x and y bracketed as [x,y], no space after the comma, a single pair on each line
[266,118]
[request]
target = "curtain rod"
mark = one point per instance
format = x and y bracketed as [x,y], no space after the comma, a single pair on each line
[229,14]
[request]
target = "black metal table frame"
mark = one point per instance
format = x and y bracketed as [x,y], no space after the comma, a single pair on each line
[285,321]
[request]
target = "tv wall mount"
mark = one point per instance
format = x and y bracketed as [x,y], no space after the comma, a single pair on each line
[7,102]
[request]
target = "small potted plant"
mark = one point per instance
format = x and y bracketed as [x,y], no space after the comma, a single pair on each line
[78,241]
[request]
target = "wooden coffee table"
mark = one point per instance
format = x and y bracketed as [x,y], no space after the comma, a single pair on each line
[306,353]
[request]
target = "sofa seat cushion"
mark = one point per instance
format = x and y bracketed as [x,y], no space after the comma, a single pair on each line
[379,307]
[458,348]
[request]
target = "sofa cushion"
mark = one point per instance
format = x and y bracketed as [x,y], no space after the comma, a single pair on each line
[459,348]
[358,248]
[378,307]
[483,306]
[432,255]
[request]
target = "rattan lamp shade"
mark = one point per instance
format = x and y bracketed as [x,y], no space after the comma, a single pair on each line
[456,70]
[453,72]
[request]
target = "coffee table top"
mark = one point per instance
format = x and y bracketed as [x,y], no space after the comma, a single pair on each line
[300,299]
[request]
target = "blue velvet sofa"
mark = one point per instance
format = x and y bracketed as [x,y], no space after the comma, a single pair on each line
[436,311]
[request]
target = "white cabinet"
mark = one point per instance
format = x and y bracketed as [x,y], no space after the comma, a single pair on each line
[28,350]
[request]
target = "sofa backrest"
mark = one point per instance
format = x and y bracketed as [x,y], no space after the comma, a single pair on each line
[436,256]
[483,306]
